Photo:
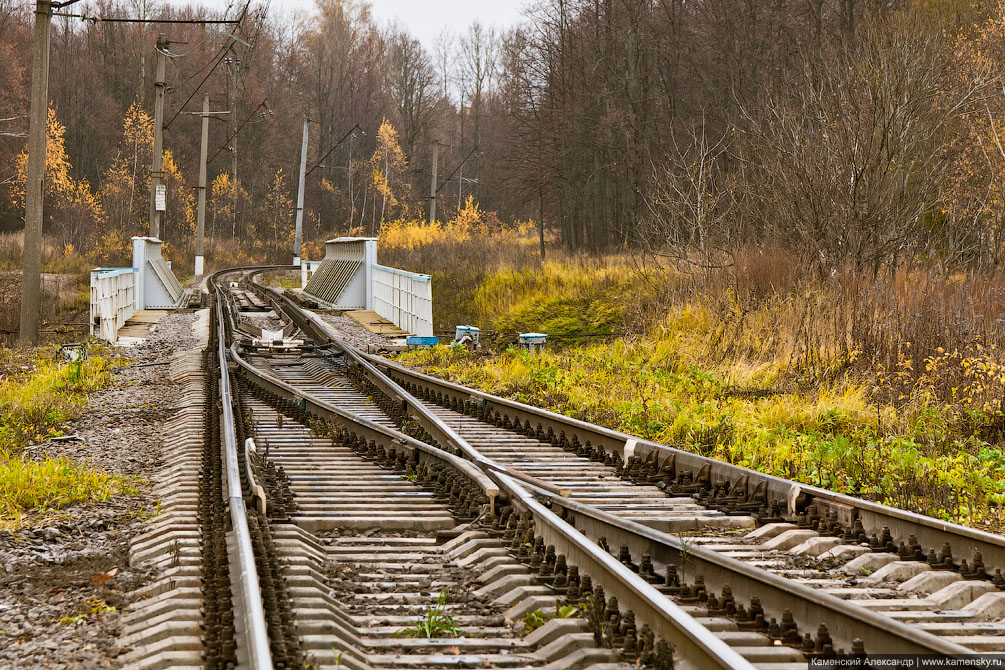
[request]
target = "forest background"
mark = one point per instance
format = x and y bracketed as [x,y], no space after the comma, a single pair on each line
[766,231]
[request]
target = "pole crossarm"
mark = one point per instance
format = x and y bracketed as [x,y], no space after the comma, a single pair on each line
[102,19]
[219,58]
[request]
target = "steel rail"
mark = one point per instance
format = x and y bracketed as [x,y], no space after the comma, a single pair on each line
[695,646]
[810,607]
[248,600]
[368,429]
[437,428]
[929,532]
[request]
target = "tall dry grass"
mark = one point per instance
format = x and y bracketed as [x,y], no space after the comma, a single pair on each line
[459,254]
[56,258]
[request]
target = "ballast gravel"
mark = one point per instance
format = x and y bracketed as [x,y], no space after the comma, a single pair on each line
[65,576]
[266,320]
[344,328]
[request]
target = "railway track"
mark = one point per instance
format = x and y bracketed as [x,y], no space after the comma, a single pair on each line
[953,597]
[360,563]
[376,496]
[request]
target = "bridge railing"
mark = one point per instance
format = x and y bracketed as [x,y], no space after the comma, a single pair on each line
[307,270]
[404,298]
[113,300]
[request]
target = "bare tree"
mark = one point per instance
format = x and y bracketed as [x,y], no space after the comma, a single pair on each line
[848,165]
[411,83]
[479,55]
[690,209]
[444,55]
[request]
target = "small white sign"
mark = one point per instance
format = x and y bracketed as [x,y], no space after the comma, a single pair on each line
[160,198]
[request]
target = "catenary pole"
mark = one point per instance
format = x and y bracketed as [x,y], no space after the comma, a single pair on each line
[200,222]
[31,278]
[155,172]
[432,185]
[300,197]
[233,119]
[200,226]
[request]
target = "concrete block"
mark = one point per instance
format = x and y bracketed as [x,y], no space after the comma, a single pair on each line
[960,594]
[527,605]
[845,551]
[584,658]
[504,584]
[897,571]
[989,606]
[175,630]
[517,594]
[787,540]
[868,562]
[769,530]
[555,629]
[928,582]
[565,646]
[815,546]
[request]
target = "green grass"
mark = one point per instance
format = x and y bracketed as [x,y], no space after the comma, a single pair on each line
[37,397]
[38,394]
[285,279]
[436,622]
[775,388]
[564,300]
[534,620]
[29,486]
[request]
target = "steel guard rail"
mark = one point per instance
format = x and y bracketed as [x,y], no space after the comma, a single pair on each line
[809,606]
[369,429]
[694,645]
[439,430]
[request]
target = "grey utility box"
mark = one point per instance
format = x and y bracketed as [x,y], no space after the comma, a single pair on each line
[460,332]
[533,341]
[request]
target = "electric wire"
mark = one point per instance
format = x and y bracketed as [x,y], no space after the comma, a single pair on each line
[224,50]
[226,142]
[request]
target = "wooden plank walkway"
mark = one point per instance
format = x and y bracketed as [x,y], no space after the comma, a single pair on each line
[140,323]
[375,323]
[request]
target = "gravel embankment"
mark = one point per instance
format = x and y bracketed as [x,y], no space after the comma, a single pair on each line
[65,576]
[348,330]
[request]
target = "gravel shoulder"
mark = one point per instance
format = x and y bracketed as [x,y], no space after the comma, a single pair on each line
[65,576]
